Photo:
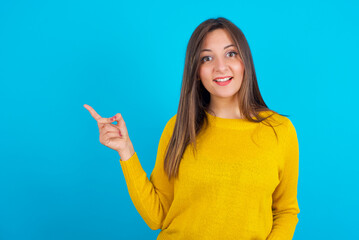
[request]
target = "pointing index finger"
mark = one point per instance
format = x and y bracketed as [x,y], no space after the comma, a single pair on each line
[93,113]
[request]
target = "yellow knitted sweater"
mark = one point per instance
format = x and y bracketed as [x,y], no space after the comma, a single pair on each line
[241,185]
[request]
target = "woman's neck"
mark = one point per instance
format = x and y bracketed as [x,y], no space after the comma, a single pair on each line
[225,109]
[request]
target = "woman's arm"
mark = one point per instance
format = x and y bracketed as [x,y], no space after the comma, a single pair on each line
[152,198]
[285,205]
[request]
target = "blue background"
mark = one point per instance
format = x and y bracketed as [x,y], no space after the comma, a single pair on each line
[57,181]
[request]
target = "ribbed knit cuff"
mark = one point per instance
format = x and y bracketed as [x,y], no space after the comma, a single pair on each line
[163,237]
[277,236]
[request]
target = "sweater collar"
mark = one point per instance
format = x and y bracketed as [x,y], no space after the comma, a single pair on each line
[229,122]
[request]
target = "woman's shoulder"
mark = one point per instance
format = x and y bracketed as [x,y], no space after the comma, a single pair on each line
[280,122]
[172,120]
[170,124]
[276,118]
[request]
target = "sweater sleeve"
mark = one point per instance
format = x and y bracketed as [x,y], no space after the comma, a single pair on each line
[151,197]
[285,205]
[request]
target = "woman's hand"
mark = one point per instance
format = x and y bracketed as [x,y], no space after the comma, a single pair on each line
[113,136]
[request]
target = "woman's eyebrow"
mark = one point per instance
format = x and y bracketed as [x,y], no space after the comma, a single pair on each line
[209,50]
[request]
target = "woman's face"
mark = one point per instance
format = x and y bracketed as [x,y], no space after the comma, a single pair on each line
[219,58]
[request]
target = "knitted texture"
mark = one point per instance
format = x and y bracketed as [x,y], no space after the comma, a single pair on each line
[241,184]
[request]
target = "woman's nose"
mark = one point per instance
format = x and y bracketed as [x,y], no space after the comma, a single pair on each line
[220,65]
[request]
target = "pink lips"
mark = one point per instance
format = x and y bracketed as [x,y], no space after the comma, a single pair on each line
[224,83]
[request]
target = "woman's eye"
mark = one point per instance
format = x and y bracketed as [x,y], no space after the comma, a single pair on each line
[234,53]
[204,59]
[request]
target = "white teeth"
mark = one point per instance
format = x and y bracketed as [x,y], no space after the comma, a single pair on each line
[222,80]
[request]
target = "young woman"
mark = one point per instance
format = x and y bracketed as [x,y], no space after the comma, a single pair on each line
[227,165]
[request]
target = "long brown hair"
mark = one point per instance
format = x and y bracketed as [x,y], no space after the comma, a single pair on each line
[194,98]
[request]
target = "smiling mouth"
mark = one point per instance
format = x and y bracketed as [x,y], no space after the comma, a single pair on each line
[223,80]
